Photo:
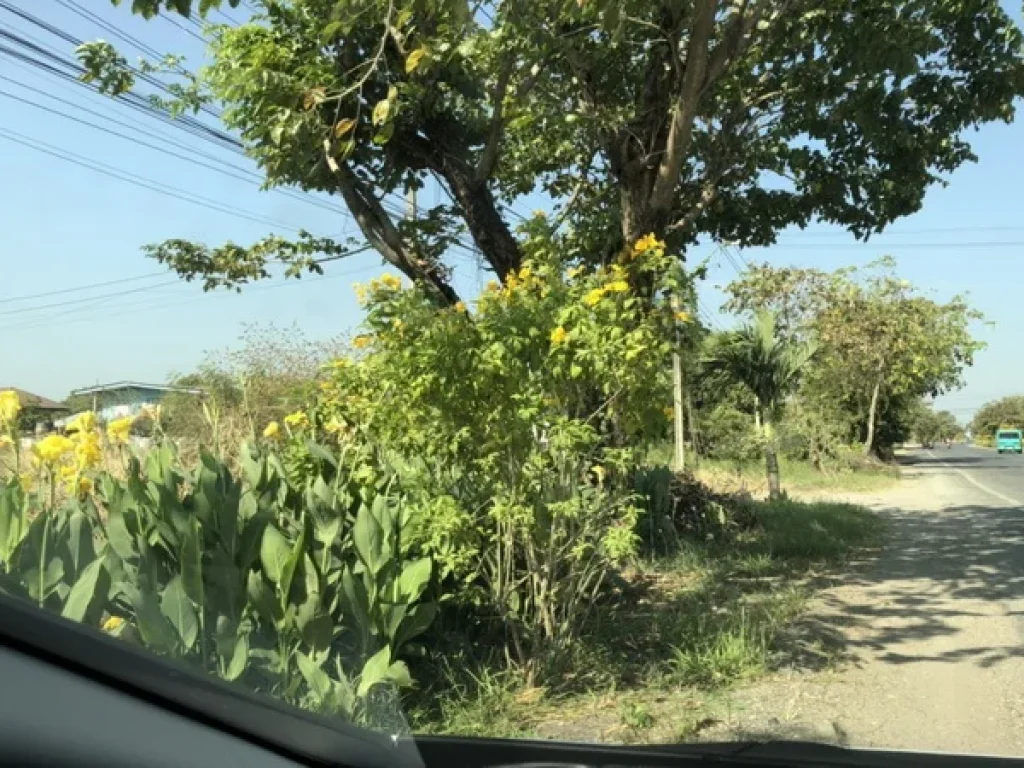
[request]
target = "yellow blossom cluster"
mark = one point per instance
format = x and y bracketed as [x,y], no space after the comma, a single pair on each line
[10,407]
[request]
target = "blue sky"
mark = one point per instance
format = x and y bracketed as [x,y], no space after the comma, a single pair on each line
[65,226]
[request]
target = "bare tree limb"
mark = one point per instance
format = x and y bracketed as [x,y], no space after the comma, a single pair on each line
[489,156]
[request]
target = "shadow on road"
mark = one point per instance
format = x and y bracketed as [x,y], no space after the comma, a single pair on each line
[939,573]
[994,461]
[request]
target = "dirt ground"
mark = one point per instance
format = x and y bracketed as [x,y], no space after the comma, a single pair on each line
[923,641]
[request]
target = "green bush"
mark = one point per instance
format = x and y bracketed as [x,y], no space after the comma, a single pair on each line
[302,585]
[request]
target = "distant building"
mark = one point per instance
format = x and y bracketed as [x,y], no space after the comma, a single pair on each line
[38,413]
[127,398]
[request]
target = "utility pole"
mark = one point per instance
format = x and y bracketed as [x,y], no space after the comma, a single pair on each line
[679,459]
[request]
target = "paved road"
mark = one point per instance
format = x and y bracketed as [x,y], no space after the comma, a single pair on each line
[984,468]
[930,631]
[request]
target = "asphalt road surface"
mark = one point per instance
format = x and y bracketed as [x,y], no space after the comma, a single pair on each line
[920,646]
[984,468]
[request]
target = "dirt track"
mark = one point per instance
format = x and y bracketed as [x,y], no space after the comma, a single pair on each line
[929,633]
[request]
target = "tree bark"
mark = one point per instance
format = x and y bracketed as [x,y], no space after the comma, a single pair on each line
[771,458]
[869,440]
[771,463]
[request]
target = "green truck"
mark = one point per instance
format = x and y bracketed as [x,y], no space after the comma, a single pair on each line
[1009,441]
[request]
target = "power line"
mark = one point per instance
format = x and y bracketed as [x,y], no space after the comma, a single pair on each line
[45,294]
[46,322]
[88,299]
[978,244]
[140,181]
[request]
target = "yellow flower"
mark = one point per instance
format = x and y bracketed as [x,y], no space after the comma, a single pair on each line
[272,431]
[5,442]
[617,286]
[334,426]
[67,472]
[683,317]
[525,273]
[82,422]
[10,406]
[398,324]
[52,449]
[119,430]
[84,486]
[492,285]
[575,272]
[297,419]
[648,243]
[460,306]
[360,292]
[87,449]
[559,335]
[361,342]
[391,281]
[113,623]
[593,297]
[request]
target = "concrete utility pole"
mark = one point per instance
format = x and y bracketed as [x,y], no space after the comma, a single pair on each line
[679,459]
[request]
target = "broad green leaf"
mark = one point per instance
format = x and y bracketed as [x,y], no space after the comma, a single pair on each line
[239,659]
[274,553]
[375,670]
[89,594]
[154,628]
[178,609]
[414,579]
[318,680]
[368,538]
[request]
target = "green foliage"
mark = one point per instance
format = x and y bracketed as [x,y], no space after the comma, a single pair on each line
[517,427]
[882,344]
[1005,412]
[633,118]
[769,366]
[307,590]
[930,426]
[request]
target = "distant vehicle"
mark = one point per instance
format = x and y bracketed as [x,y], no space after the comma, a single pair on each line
[1009,441]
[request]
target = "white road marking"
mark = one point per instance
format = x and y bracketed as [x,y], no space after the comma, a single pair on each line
[1003,497]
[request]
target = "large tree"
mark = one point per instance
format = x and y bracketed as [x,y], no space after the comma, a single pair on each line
[727,119]
[881,341]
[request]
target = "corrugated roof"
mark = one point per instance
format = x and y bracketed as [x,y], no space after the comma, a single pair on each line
[30,400]
[119,385]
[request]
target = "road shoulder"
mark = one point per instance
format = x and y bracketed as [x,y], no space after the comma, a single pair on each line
[916,647]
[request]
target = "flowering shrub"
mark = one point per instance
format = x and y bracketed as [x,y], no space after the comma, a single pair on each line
[302,588]
[519,423]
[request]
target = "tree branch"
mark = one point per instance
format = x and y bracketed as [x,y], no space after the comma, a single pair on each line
[376,225]
[701,72]
[489,156]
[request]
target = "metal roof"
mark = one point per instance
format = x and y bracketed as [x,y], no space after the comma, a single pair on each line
[118,385]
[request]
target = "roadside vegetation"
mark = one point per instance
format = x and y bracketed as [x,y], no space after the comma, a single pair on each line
[467,516]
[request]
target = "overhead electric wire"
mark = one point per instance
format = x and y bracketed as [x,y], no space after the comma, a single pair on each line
[190,125]
[77,288]
[88,299]
[140,181]
[46,322]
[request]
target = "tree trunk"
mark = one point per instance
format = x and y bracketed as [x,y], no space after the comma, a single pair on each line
[869,441]
[771,465]
[771,460]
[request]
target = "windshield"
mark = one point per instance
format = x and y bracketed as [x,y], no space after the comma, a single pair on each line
[601,371]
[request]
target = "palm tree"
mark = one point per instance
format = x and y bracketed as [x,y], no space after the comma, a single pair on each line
[770,367]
